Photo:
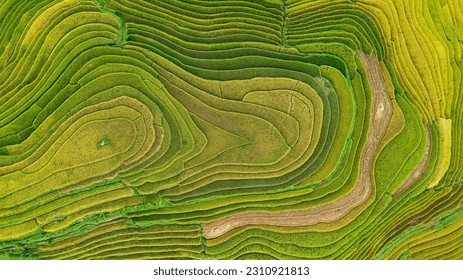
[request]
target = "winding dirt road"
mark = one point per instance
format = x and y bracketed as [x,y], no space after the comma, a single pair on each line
[380,115]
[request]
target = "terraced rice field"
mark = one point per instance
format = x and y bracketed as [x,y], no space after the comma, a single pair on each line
[241,129]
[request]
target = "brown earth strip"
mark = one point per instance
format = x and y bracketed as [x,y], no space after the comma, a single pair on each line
[419,170]
[380,115]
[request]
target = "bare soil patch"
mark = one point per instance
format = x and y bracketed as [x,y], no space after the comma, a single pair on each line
[380,115]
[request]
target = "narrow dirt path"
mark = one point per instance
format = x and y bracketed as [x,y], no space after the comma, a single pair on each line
[419,170]
[380,115]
